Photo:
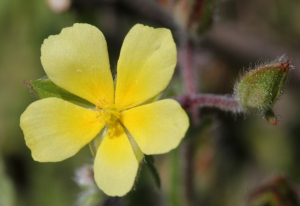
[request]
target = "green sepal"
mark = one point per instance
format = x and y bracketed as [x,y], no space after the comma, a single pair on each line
[150,164]
[95,143]
[45,88]
[270,116]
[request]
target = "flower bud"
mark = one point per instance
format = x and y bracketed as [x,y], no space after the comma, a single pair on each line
[261,87]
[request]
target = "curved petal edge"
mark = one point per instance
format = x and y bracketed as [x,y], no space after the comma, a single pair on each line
[55,129]
[157,127]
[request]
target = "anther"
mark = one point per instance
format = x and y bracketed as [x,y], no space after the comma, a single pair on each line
[108,112]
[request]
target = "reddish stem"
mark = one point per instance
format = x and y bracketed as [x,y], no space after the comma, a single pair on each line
[222,102]
[186,65]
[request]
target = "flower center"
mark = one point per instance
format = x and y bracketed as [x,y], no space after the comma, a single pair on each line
[107,112]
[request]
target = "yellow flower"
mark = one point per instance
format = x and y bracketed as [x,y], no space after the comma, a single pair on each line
[77,61]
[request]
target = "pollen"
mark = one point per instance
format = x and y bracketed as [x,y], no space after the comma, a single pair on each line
[107,112]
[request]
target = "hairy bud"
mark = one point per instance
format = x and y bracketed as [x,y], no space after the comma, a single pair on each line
[259,88]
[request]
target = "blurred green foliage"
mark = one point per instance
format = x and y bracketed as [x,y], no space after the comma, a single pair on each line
[232,157]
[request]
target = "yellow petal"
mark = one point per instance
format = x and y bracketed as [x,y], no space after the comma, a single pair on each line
[157,127]
[55,129]
[115,164]
[146,65]
[77,60]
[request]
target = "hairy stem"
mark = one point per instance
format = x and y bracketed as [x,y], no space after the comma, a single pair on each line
[186,63]
[222,102]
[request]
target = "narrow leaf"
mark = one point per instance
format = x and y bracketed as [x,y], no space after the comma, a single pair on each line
[45,88]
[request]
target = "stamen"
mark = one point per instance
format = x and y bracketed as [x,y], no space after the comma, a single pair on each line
[107,111]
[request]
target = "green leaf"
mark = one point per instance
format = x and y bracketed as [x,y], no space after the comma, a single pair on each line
[45,88]
[150,163]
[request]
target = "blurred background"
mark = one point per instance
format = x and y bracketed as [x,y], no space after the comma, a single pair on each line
[226,160]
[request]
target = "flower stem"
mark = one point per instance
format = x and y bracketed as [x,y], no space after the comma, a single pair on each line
[186,65]
[222,102]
